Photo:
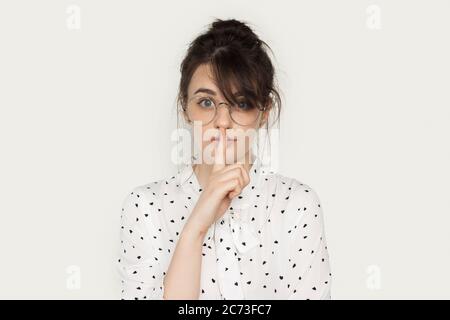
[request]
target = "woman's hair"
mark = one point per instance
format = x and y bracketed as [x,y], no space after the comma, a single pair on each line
[237,57]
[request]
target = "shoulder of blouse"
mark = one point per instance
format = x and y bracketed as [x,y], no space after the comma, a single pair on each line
[298,193]
[143,195]
[151,189]
[287,184]
[151,192]
[292,184]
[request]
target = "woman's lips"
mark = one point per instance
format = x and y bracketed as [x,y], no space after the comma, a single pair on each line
[229,140]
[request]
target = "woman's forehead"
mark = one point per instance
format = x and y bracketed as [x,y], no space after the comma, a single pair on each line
[203,78]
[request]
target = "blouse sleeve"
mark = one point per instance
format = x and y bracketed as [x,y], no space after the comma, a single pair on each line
[138,265]
[310,271]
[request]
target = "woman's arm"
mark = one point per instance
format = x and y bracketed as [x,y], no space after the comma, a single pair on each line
[182,280]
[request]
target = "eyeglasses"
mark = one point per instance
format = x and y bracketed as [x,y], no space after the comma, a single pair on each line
[204,108]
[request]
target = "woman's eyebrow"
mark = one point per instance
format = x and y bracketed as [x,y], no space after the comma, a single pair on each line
[205,90]
[212,92]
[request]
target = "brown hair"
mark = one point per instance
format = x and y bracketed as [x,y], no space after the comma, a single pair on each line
[237,56]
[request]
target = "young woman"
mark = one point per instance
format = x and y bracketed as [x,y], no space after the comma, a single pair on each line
[222,228]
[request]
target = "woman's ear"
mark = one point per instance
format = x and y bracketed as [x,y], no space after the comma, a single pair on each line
[185,116]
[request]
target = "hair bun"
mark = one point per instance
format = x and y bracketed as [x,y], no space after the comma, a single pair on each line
[235,30]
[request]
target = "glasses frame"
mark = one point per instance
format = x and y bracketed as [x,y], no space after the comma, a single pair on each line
[228,106]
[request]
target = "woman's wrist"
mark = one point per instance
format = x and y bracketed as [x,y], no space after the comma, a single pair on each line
[192,231]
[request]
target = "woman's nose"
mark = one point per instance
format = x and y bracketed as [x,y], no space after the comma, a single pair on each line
[223,117]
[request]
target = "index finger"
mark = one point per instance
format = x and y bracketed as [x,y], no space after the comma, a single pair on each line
[220,153]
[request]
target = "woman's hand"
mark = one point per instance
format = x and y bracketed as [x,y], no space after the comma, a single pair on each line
[224,183]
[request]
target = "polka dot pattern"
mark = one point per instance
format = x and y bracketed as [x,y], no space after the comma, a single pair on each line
[269,244]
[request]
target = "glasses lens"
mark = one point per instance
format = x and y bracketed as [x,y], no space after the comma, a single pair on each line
[201,109]
[244,114]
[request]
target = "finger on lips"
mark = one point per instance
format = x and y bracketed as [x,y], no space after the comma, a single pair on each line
[220,153]
[234,172]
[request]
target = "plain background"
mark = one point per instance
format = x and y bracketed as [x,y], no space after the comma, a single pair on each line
[87,113]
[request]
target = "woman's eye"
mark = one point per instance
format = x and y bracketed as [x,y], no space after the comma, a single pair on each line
[243,105]
[206,103]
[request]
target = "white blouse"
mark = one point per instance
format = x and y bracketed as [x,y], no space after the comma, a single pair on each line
[269,244]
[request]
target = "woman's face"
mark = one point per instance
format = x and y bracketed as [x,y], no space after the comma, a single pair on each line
[203,95]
